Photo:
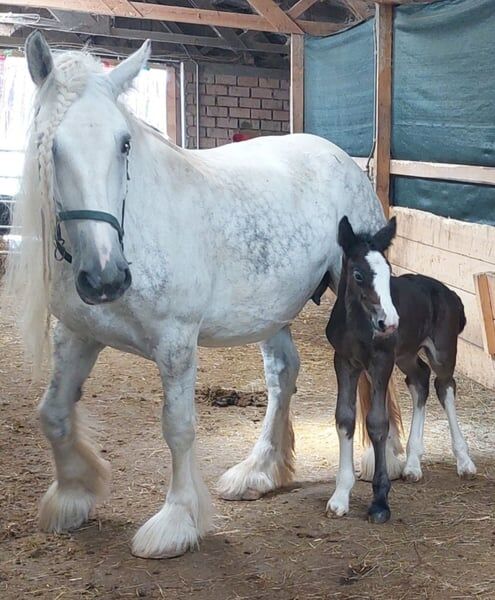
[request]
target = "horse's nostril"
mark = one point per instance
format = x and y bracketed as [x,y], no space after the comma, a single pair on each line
[86,281]
[381,325]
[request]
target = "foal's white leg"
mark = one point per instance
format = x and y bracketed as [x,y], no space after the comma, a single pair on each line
[186,514]
[446,395]
[271,462]
[81,475]
[339,502]
[415,449]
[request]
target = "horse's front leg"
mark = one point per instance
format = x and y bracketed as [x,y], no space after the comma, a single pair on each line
[345,420]
[377,423]
[81,475]
[271,462]
[186,514]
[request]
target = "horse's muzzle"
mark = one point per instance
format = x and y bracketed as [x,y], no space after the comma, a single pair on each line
[101,286]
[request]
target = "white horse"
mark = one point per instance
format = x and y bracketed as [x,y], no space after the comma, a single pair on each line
[225,247]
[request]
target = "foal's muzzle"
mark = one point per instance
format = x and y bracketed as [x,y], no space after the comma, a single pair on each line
[96,286]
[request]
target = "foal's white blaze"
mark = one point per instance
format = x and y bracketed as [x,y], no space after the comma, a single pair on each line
[381,283]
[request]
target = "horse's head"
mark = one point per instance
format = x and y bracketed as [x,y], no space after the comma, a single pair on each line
[89,150]
[367,273]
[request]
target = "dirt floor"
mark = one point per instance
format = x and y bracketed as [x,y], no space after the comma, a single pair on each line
[440,542]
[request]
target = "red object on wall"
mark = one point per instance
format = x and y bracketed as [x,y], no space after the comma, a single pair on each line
[240,137]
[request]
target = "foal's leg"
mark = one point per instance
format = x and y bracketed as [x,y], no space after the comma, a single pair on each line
[186,514]
[377,423]
[345,420]
[81,475]
[271,462]
[418,381]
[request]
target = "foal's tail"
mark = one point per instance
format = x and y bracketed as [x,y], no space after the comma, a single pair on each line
[394,443]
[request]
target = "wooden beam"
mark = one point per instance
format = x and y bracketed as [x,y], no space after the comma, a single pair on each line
[487,309]
[296,83]
[300,8]
[384,16]
[171,105]
[276,16]
[447,171]
[121,6]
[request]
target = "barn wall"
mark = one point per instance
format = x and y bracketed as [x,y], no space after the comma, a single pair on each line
[234,98]
[452,251]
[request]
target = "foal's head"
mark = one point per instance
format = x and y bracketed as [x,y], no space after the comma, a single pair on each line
[367,273]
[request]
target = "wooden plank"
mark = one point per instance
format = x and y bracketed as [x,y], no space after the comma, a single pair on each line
[473,330]
[475,363]
[450,268]
[276,16]
[171,101]
[459,237]
[156,12]
[296,83]
[487,312]
[384,15]
[449,172]
[121,6]
[300,8]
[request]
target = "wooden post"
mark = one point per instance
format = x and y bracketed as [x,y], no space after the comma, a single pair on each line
[296,83]
[384,17]
[485,286]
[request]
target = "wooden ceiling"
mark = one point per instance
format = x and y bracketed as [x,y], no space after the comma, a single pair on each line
[252,32]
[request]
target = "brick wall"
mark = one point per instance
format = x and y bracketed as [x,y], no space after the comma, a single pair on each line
[236,98]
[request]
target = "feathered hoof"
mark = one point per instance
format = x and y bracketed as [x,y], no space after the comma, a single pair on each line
[65,509]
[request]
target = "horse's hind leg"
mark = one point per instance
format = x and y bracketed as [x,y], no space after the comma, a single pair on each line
[185,516]
[271,462]
[81,475]
[418,381]
[443,363]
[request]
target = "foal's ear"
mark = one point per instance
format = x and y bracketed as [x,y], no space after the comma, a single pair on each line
[39,58]
[347,238]
[383,238]
[123,75]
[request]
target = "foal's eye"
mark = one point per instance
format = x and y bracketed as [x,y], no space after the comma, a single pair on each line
[358,277]
[126,146]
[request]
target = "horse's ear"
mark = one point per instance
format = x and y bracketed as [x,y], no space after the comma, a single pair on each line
[383,238]
[123,75]
[347,237]
[39,58]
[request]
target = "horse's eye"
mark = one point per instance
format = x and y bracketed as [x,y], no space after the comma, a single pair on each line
[126,146]
[358,277]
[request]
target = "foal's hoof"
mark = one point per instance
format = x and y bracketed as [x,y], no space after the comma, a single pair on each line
[466,469]
[378,514]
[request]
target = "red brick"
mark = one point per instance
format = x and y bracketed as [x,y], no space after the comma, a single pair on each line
[191,131]
[261,114]
[240,113]
[250,102]
[269,83]
[229,122]
[255,123]
[227,101]
[226,79]
[202,110]
[284,84]
[217,111]
[281,94]
[286,105]
[271,126]
[280,115]
[248,81]
[207,121]
[216,90]
[208,100]
[217,132]
[239,91]
[261,93]
[207,143]
[272,104]
[202,88]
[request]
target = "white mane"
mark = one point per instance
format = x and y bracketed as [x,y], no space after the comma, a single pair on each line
[27,284]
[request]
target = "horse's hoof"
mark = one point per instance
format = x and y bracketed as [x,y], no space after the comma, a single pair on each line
[247,495]
[378,515]
[466,469]
[412,475]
